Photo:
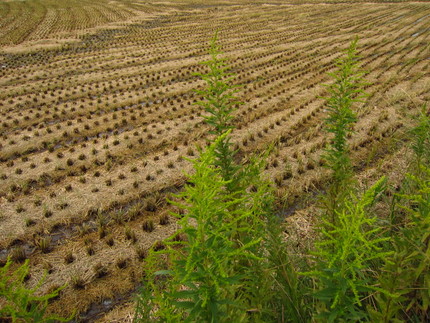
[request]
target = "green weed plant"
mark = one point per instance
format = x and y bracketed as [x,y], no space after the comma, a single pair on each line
[221,271]
[22,304]
[350,241]
[344,254]
[406,275]
[219,103]
[346,89]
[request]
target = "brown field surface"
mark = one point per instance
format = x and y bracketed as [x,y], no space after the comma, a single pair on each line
[98,110]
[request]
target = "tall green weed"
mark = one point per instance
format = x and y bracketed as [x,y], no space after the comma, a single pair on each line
[349,241]
[343,256]
[225,268]
[407,273]
[346,89]
[203,284]
[219,103]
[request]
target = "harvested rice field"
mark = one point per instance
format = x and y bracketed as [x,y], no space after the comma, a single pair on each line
[98,110]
